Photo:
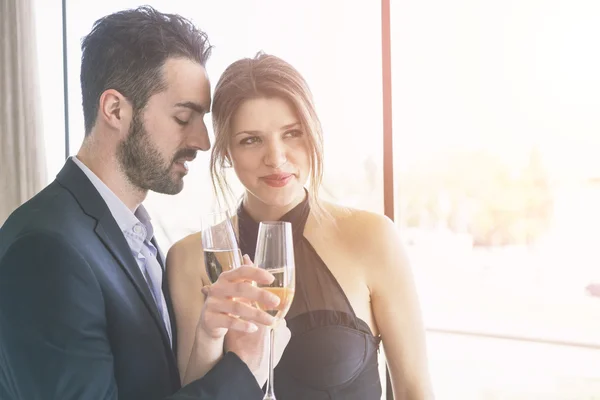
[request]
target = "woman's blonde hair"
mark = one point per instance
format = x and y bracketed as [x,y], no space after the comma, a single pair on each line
[263,76]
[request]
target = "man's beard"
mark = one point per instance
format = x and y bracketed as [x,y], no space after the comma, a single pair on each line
[143,164]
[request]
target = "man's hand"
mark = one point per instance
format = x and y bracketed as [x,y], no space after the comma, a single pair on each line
[229,302]
[253,348]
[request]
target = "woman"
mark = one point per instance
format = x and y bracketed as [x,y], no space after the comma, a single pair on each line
[353,282]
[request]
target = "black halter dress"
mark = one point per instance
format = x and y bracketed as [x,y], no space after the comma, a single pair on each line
[332,353]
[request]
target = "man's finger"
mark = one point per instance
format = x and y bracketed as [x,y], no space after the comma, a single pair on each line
[243,311]
[217,320]
[246,292]
[247,273]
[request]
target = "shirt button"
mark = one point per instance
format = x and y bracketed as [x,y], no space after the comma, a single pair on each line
[137,229]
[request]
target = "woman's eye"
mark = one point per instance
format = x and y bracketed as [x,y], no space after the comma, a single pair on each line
[249,140]
[294,133]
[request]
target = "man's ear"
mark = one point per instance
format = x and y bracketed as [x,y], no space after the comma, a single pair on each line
[115,110]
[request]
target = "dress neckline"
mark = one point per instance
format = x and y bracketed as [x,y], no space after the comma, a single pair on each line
[248,226]
[297,216]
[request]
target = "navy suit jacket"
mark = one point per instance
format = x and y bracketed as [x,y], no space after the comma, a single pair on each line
[77,319]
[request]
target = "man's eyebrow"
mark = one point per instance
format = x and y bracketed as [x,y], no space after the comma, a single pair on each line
[192,106]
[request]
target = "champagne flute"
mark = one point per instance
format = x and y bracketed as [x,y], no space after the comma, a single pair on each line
[221,251]
[275,253]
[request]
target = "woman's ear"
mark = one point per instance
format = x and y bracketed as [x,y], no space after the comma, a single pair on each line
[227,160]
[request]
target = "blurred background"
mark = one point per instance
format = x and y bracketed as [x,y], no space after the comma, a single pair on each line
[493,178]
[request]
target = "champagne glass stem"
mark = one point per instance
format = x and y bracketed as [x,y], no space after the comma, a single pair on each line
[270,392]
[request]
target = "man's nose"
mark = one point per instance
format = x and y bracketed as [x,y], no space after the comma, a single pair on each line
[199,139]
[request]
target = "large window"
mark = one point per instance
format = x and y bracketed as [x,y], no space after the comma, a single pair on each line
[497,174]
[334,44]
[48,26]
[497,139]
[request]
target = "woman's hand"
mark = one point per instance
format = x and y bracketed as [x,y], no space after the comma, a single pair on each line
[229,302]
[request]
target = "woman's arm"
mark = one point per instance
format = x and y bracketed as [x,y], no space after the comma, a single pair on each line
[202,323]
[185,269]
[396,309]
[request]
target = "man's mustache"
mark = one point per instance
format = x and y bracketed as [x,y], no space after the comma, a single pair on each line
[185,154]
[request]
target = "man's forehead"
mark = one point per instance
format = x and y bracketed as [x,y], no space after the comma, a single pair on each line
[187,81]
[180,67]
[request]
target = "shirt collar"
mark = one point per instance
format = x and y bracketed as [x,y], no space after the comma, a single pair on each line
[131,224]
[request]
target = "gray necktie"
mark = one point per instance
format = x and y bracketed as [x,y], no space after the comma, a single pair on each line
[154,275]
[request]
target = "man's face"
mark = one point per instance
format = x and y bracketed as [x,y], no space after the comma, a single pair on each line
[168,132]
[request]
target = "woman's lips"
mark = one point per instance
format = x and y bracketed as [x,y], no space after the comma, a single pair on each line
[277,180]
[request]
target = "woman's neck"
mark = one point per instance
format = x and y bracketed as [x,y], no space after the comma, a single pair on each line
[259,211]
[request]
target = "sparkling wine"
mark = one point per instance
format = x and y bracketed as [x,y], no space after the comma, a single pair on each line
[285,294]
[217,261]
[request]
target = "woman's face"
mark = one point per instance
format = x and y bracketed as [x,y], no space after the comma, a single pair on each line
[269,151]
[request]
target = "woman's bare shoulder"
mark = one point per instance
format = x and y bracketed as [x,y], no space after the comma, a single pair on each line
[355,224]
[371,237]
[186,253]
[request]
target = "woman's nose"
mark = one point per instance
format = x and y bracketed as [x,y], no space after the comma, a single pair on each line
[276,155]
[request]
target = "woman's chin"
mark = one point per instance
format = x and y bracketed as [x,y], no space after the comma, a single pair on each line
[281,198]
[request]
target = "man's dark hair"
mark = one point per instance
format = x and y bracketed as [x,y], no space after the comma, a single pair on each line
[126,51]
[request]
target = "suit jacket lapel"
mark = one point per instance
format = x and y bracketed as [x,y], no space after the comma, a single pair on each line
[74,180]
[109,233]
[167,293]
[159,254]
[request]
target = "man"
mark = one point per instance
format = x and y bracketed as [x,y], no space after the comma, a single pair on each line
[84,310]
